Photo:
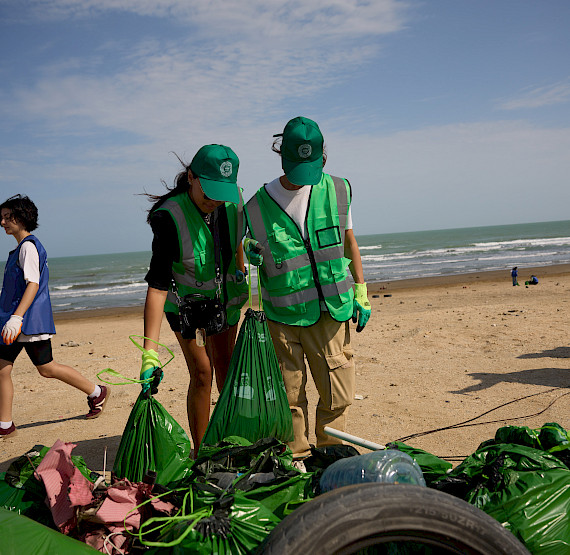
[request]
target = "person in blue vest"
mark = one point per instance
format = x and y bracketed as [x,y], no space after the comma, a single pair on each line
[196,249]
[301,237]
[514,275]
[26,317]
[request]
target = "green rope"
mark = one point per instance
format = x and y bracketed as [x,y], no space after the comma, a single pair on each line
[128,381]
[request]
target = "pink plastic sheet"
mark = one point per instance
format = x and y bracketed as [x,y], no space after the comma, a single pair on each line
[70,496]
[66,487]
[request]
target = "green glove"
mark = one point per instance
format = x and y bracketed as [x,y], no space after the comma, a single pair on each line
[150,364]
[253,251]
[361,308]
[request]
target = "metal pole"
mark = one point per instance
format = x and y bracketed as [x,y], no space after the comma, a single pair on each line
[353,439]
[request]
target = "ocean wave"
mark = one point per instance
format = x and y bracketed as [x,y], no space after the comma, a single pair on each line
[96,292]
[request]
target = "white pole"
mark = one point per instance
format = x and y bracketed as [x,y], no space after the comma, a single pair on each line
[353,439]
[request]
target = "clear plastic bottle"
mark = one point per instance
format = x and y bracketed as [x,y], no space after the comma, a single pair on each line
[389,466]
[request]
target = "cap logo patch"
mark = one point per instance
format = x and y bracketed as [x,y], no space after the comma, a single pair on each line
[305,150]
[226,168]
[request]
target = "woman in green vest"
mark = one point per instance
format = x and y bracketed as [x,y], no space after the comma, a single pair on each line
[196,249]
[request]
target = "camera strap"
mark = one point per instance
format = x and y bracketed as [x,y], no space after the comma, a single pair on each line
[217,256]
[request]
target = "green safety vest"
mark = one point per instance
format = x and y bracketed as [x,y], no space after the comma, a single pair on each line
[195,271]
[296,274]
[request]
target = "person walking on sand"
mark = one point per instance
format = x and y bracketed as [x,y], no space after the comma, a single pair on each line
[514,275]
[302,221]
[196,249]
[26,316]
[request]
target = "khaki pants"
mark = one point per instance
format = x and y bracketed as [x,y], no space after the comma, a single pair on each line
[326,346]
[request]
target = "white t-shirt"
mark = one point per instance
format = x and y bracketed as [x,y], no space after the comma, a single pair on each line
[295,203]
[29,261]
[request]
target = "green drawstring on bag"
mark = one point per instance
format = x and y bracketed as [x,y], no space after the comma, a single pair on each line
[128,381]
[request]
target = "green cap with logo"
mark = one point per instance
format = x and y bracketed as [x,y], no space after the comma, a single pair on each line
[302,151]
[217,167]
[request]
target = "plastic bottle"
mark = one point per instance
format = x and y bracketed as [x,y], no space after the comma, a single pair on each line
[389,466]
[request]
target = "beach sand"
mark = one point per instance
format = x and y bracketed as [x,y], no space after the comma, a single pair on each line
[437,352]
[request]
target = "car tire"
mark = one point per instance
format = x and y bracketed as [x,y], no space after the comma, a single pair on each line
[353,518]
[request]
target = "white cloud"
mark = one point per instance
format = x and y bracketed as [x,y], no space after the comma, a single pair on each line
[271,18]
[556,93]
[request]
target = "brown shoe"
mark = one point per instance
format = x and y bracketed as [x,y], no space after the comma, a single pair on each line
[8,432]
[97,404]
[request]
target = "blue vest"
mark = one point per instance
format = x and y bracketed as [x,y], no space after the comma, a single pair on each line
[38,318]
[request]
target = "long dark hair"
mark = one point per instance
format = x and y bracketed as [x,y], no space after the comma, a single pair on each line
[181,185]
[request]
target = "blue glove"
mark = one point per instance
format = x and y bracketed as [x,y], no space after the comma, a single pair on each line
[361,308]
[151,368]
[253,251]
[240,276]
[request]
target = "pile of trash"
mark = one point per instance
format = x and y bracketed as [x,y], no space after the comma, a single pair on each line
[232,497]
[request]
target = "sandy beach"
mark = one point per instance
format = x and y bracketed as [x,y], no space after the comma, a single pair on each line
[437,352]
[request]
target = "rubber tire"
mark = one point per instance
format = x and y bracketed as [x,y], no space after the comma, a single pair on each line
[351,518]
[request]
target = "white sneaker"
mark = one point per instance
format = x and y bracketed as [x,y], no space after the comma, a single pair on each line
[300,466]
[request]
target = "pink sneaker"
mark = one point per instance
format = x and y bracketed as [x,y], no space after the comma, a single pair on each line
[8,432]
[97,404]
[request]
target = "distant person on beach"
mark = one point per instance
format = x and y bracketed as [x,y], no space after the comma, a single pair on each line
[302,222]
[196,249]
[514,275]
[533,280]
[26,316]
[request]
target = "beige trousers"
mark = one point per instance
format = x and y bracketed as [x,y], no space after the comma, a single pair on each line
[326,347]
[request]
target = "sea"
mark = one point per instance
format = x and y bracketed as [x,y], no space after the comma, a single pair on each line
[117,280]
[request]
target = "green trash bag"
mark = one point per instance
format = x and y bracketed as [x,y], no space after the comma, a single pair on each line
[253,402]
[526,489]
[221,524]
[22,535]
[262,471]
[433,468]
[152,440]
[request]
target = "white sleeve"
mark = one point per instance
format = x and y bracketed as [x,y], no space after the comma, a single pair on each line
[349,218]
[29,261]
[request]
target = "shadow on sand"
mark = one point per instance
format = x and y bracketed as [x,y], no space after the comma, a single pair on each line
[559,352]
[548,377]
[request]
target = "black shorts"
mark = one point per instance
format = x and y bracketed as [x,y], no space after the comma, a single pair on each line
[39,351]
[173,321]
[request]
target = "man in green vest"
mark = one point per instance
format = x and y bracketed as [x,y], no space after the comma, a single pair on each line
[301,237]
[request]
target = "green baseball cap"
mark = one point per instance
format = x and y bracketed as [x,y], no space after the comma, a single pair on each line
[302,151]
[217,167]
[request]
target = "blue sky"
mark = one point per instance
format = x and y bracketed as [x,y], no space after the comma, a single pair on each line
[441,113]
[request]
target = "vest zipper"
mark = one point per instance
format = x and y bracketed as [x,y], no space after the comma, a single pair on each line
[309,250]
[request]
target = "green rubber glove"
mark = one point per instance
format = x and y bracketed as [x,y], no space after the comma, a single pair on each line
[253,251]
[361,308]
[150,364]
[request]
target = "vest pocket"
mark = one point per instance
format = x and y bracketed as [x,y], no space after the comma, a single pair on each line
[284,246]
[328,236]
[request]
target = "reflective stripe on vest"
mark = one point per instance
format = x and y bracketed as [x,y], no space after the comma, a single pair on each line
[186,280]
[275,268]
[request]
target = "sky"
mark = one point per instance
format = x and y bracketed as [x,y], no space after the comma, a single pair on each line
[441,113]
